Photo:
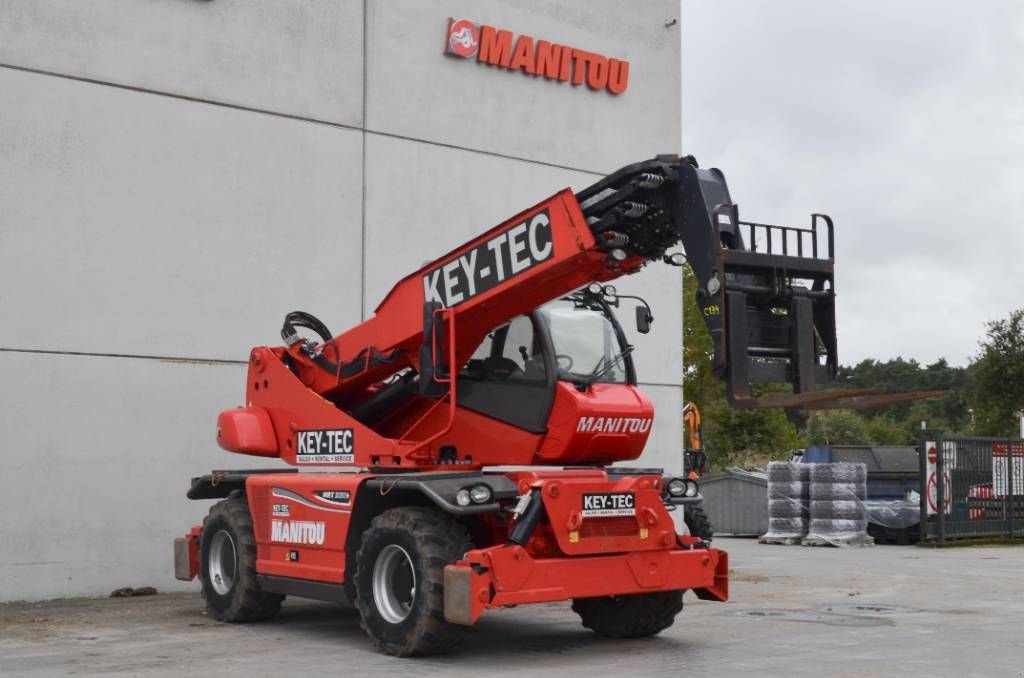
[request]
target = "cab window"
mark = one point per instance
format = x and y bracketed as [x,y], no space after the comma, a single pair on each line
[510,352]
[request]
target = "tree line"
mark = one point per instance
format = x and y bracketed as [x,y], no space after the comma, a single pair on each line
[985,397]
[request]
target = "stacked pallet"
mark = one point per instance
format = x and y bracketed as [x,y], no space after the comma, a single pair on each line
[787,503]
[817,504]
[838,516]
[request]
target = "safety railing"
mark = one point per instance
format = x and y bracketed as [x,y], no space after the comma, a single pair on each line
[793,241]
[971,487]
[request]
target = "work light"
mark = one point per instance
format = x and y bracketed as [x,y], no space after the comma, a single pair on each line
[480,494]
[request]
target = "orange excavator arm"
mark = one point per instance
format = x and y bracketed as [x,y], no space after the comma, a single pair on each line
[695,460]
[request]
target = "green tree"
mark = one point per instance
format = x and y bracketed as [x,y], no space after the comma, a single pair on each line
[837,427]
[883,430]
[998,377]
[950,412]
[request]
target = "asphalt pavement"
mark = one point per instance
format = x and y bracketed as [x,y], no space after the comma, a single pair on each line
[794,611]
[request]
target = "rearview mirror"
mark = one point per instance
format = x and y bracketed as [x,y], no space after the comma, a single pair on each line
[643,320]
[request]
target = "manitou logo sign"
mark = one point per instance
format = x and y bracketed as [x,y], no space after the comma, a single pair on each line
[613,425]
[297,532]
[502,48]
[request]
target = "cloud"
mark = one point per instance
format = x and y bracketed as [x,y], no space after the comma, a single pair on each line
[905,122]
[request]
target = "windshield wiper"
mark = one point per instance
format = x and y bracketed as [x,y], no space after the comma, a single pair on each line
[600,371]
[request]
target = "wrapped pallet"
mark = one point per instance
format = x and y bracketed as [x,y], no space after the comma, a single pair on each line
[787,503]
[836,510]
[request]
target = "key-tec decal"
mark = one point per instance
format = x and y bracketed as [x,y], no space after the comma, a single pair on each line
[506,255]
[297,532]
[334,446]
[607,505]
[280,509]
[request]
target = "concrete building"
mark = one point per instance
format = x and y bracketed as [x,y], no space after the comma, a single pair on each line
[176,176]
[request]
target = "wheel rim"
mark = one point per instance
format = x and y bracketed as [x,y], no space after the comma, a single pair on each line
[394,583]
[223,562]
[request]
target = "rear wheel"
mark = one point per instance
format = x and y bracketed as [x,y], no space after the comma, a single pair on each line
[399,580]
[227,566]
[635,616]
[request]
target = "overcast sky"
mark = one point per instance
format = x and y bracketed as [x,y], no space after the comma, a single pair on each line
[905,122]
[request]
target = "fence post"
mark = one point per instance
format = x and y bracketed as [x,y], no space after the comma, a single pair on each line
[922,463]
[940,485]
[1009,487]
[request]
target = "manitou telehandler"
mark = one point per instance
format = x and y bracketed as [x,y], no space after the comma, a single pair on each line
[506,351]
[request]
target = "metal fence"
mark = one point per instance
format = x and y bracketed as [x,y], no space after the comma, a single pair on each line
[971,487]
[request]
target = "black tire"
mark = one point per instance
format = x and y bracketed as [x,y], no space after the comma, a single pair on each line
[786,490]
[697,523]
[836,527]
[838,473]
[837,491]
[636,616]
[786,508]
[786,472]
[837,510]
[349,587]
[227,566]
[427,540]
[787,527]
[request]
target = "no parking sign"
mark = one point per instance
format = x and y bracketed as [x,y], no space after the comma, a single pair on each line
[933,483]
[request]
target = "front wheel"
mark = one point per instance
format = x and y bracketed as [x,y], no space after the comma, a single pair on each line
[635,616]
[697,523]
[399,580]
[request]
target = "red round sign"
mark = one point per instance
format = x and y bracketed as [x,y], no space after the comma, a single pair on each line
[933,493]
[933,455]
[463,38]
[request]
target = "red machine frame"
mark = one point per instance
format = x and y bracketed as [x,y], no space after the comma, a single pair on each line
[384,397]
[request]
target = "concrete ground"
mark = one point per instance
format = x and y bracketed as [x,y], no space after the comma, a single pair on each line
[795,611]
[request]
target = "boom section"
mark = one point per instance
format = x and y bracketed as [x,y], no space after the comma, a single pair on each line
[767,293]
[537,255]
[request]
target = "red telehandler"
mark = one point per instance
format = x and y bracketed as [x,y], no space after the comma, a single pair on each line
[507,351]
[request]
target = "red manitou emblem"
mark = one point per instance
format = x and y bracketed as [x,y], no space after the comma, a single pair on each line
[535,57]
[463,38]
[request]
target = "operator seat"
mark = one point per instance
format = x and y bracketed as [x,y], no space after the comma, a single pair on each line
[499,368]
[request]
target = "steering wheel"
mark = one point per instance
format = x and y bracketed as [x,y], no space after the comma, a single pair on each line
[559,357]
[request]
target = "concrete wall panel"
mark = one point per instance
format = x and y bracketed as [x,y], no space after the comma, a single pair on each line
[665,446]
[149,225]
[473,105]
[140,224]
[300,57]
[411,219]
[97,457]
